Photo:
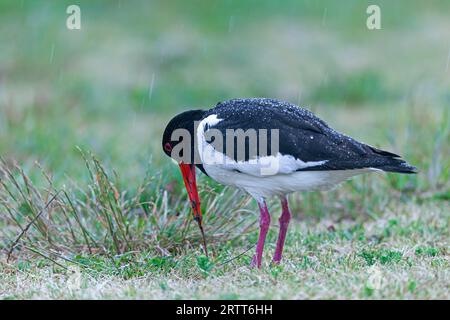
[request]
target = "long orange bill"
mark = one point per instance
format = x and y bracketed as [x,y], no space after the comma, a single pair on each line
[188,172]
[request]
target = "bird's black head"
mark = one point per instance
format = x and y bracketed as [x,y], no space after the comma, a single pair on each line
[179,128]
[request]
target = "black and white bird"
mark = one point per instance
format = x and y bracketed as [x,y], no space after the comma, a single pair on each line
[268,148]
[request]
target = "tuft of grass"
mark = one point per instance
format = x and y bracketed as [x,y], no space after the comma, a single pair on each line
[427,251]
[87,225]
[204,264]
[383,256]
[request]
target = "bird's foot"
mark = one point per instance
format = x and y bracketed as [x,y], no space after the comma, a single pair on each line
[277,256]
[276,261]
[256,263]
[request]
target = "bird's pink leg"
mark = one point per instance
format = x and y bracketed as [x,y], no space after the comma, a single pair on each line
[284,223]
[264,223]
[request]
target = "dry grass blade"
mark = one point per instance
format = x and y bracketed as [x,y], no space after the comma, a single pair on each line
[13,246]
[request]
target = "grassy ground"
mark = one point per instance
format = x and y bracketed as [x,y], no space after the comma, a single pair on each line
[406,250]
[82,113]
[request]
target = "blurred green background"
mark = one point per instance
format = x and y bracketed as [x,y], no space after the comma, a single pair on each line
[112,86]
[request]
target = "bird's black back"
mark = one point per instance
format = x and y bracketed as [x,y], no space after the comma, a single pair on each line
[302,135]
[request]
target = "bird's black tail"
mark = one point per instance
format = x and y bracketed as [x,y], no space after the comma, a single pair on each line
[399,166]
[392,162]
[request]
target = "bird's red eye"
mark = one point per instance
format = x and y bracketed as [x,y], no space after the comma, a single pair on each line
[167,147]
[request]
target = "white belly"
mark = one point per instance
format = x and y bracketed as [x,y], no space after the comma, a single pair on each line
[281,184]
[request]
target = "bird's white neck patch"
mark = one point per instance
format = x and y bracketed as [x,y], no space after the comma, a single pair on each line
[209,121]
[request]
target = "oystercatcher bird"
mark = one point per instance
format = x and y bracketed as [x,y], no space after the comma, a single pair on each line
[268,148]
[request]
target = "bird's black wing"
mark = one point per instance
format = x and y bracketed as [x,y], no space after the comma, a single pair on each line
[301,135]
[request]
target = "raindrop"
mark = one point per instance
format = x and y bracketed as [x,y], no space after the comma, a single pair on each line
[230,23]
[150,91]
[52,53]
[448,60]
[324,16]
[299,97]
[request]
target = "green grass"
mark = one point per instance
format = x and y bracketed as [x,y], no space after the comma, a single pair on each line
[82,113]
